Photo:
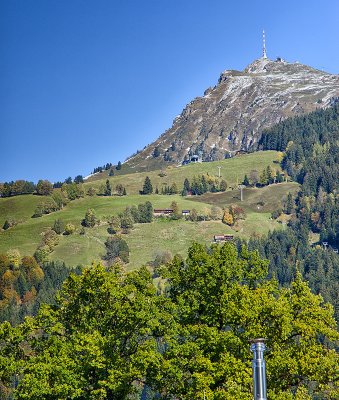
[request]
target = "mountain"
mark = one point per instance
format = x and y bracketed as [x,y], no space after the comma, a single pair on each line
[230,116]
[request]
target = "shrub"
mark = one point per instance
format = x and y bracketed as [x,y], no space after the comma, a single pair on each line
[69,229]
[90,219]
[9,223]
[58,226]
[46,207]
[41,254]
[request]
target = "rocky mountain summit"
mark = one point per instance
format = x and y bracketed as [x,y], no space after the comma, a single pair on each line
[231,116]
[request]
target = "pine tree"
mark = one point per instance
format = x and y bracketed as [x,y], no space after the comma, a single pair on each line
[289,203]
[246,181]
[108,189]
[147,188]
[58,226]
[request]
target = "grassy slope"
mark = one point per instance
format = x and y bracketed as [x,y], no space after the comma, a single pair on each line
[146,239]
[266,199]
[231,170]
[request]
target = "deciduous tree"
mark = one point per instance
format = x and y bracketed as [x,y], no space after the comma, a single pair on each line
[44,188]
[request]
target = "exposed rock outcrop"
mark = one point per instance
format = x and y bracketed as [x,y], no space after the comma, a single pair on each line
[231,115]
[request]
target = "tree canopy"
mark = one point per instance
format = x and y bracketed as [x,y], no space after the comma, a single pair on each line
[112,334]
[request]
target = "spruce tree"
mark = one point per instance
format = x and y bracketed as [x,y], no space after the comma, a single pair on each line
[289,204]
[108,189]
[246,181]
[147,188]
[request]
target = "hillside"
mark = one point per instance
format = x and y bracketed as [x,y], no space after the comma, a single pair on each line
[231,116]
[233,170]
[146,239]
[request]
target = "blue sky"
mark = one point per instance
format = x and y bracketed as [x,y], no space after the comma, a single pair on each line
[86,82]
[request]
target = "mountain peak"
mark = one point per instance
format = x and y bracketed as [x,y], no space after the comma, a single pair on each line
[232,114]
[257,66]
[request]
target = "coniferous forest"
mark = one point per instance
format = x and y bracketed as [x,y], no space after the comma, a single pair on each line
[311,157]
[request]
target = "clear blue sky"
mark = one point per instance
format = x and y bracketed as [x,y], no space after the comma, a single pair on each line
[85,82]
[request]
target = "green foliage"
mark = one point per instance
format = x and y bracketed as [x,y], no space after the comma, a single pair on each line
[109,332]
[223,301]
[79,179]
[204,183]
[311,145]
[176,211]
[16,188]
[90,219]
[120,190]
[126,219]
[58,226]
[91,191]
[147,188]
[9,223]
[246,181]
[44,188]
[156,152]
[45,207]
[114,224]
[108,189]
[289,204]
[145,212]
[14,257]
[73,190]
[116,247]
[69,229]
[41,254]
[96,343]
[118,167]
[60,199]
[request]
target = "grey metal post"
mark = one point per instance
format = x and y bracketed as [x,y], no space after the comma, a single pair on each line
[259,369]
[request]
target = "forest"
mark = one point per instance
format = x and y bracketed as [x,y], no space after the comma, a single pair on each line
[311,157]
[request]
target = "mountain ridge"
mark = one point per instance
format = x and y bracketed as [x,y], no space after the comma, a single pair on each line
[230,116]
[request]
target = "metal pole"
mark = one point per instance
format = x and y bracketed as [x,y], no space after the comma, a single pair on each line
[259,369]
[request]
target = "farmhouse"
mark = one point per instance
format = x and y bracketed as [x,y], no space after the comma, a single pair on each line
[162,211]
[222,238]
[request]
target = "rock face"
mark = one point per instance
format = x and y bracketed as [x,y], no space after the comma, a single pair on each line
[231,115]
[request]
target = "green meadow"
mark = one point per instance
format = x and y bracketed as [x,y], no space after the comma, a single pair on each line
[146,240]
[232,170]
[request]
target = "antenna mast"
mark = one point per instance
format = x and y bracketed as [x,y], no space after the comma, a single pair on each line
[264,55]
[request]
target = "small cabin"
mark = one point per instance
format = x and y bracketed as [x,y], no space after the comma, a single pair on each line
[162,211]
[185,212]
[222,238]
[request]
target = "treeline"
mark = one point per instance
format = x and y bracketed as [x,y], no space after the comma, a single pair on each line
[15,188]
[106,167]
[25,285]
[43,188]
[115,335]
[202,184]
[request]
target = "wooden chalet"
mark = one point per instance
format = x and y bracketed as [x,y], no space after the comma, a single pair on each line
[162,211]
[222,238]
